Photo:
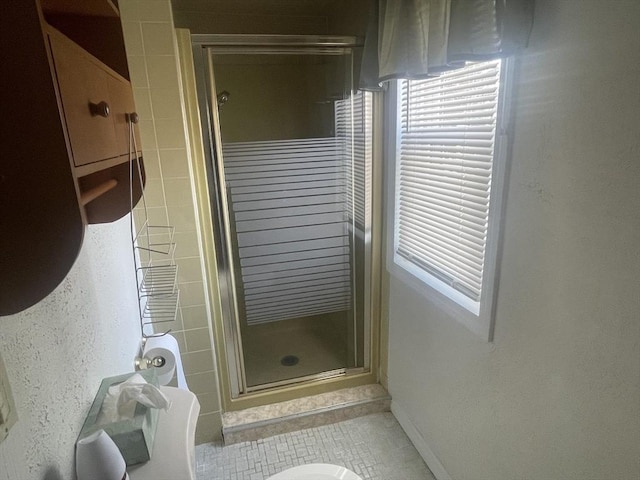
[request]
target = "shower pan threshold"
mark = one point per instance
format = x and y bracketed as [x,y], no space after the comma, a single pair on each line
[306,412]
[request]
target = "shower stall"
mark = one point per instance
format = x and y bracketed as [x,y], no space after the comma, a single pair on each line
[289,146]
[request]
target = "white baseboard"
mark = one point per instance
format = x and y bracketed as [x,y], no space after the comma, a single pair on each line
[419,442]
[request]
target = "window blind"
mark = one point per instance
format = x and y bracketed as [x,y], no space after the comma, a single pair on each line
[287,200]
[354,120]
[447,129]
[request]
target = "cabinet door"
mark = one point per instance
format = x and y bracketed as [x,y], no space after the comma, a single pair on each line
[121,97]
[82,82]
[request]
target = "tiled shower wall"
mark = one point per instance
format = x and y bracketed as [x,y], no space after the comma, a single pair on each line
[153,65]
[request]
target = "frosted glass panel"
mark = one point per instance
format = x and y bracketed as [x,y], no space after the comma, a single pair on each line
[296,155]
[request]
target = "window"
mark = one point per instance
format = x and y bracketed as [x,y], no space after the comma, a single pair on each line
[447,190]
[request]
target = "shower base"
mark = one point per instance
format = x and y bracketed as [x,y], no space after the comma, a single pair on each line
[319,343]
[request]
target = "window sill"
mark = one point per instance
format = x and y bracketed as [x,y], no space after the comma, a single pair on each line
[480,324]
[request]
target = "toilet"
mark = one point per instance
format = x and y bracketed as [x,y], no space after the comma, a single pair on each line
[316,471]
[173,455]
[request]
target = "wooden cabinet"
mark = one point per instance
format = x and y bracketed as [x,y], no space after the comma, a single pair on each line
[95,102]
[64,160]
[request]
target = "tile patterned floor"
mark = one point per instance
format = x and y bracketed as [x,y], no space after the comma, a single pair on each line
[374,446]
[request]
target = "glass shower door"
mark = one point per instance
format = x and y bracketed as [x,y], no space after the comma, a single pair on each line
[294,165]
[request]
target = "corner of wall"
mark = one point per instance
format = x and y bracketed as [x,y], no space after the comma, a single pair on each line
[419,442]
[150,40]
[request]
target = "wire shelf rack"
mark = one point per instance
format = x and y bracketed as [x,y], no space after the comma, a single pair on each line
[155,268]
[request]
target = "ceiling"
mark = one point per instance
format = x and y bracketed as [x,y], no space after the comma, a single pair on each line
[258,7]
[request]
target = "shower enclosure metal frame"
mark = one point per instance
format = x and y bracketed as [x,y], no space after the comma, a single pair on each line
[202,46]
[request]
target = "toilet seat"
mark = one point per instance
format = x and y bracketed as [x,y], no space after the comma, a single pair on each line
[316,471]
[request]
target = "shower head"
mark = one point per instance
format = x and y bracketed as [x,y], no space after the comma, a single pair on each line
[223,97]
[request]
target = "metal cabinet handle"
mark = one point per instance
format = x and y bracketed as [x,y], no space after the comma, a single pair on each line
[132,117]
[99,109]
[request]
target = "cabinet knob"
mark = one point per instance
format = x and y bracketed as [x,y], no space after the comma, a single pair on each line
[99,109]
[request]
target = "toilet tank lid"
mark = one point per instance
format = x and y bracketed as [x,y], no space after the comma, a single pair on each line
[184,406]
[173,448]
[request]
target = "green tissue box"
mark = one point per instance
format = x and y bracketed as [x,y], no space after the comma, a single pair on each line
[134,437]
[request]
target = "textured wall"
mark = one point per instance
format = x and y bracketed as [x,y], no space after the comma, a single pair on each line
[58,351]
[557,395]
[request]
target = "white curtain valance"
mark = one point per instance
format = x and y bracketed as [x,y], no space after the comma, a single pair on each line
[421,38]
